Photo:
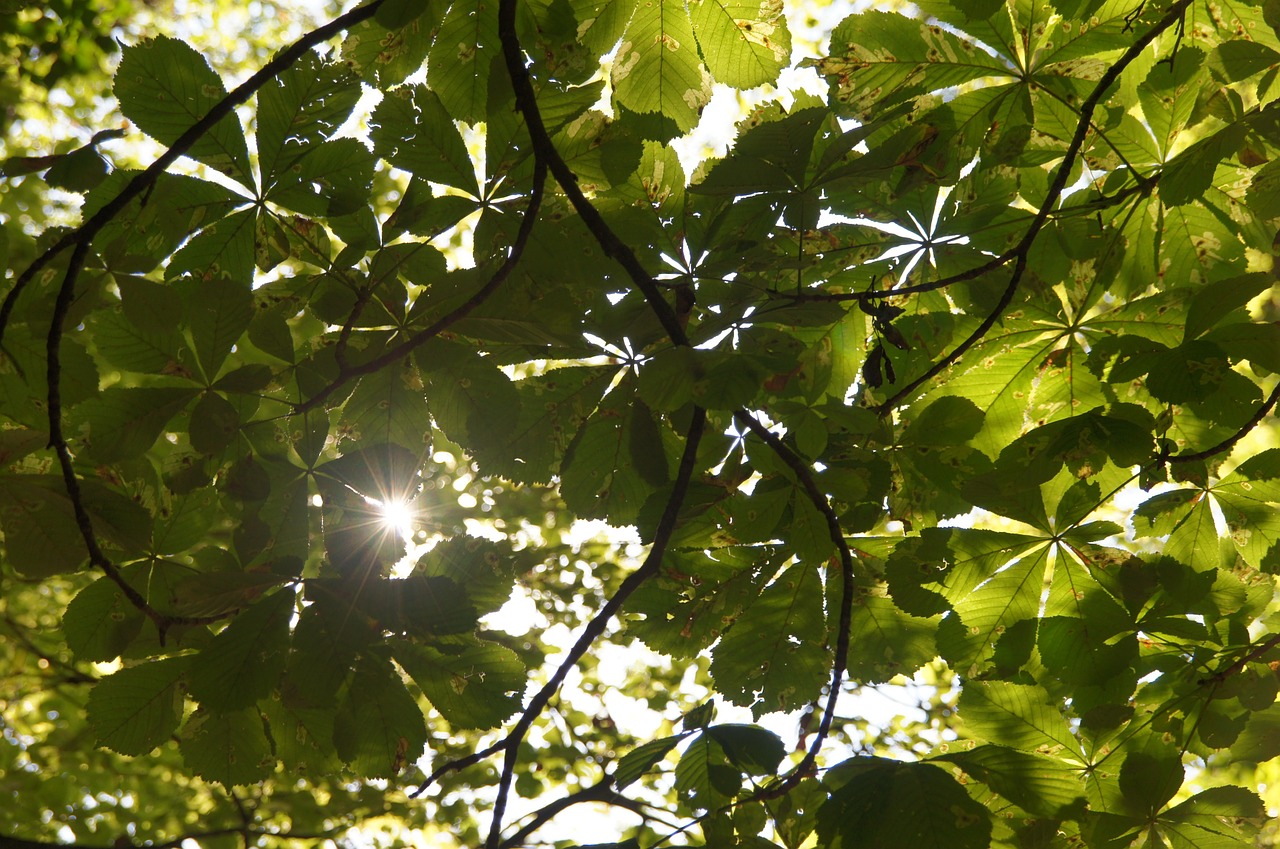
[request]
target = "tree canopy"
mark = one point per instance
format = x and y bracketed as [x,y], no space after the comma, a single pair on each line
[949,381]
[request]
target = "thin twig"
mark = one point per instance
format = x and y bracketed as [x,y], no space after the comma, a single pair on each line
[457,764]
[1227,444]
[455,315]
[601,791]
[1249,657]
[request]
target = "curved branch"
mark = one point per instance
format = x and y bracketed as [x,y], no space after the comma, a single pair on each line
[147,178]
[596,627]
[1056,187]
[82,237]
[545,149]
[601,791]
[457,764]
[841,660]
[1248,657]
[1227,444]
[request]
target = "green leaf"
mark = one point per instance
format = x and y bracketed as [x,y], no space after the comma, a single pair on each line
[487,569]
[1042,786]
[1260,740]
[657,67]
[1219,816]
[461,58]
[303,105]
[641,759]
[302,737]
[881,58]
[1215,301]
[749,747]
[217,593]
[229,748]
[889,642]
[383,472]
[412,130]
[243,662]
[165,86]
[143,234]
[1263,190]
[704,774]
[384,54]
[419,605]
[123,345]
[217,313]
[889,804]
[774,652]
[330,179]
[100,622]
[379,729]
[745,43]
[224,249]
[950,420]
[600,476]
[389,407]
[472,400]
[1019,716]
[125,423]
[982,616]
[1149,778]
[214,424]
[472,684]
[135,709]
[41,535]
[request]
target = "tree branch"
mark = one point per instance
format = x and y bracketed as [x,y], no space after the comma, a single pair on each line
[1059,184]
[601,791]
[1227,444]
[599,622]
[80,240]
[146,179]
[455,315]
[840,662]
[1249,657]
[545,149]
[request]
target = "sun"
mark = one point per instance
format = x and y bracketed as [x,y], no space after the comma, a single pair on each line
[397,514]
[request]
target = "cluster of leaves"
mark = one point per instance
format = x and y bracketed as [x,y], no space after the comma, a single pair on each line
[210,384]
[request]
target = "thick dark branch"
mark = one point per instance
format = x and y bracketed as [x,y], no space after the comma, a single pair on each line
[600,622]
[81,238]
[1054,194]
[545,149]
[58,442]
[455,315]
[841,660]
[146,179]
